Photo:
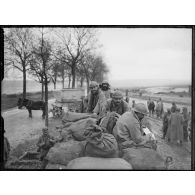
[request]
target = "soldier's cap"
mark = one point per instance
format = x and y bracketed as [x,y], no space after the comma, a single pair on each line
[105,82]
[117,94]
[93,84]
[140,108]
[45,129]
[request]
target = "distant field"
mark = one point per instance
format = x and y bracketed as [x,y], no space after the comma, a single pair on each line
[16,86]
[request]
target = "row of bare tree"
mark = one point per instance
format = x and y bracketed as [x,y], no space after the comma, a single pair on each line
[57,54]
[49,55]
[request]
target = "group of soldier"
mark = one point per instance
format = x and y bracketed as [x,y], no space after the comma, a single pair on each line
[177,125]
[128,128]
[128,123]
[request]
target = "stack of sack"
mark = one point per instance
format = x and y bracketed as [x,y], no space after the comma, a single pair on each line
[144,159]
[85,146]
[89,146]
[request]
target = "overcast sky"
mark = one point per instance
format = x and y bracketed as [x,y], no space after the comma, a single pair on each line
[141,54]
[147,53]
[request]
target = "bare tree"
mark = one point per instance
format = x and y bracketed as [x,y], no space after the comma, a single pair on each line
[18,50]
[42,52]
[93,68]
[75,42]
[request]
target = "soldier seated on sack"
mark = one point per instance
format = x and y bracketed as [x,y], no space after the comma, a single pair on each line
[44,143]
[128,129]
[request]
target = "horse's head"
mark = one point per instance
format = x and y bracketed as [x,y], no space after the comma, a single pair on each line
[21,102]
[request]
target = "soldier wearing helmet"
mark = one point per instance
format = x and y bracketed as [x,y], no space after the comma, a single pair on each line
[117,104]
[128,129]
[97,100]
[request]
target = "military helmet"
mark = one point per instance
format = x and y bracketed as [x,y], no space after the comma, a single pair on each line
[117,94]
[45,130]
[93,84]
[140,108]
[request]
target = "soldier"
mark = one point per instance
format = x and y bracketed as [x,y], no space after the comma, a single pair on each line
[159,108]
[151,106]
[185,123]
[128,129]
[165,122]
[44,143]
[105,87]
[173,108]
[117,104]
[97,100]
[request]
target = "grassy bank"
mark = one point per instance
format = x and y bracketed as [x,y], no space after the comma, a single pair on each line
[10,100]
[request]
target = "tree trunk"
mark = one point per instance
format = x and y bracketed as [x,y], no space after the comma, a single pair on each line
[46,103]
[73,76]
[82,79]
[69,80]
[87,84]
[63,82]
[24,82]
[42,89]
[54,85]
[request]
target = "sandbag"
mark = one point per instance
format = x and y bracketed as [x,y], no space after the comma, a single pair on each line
[55,166]
[99,163]
[74,116]
[78,128]
[64,152]
[100,144]
[144,159]
[109,121]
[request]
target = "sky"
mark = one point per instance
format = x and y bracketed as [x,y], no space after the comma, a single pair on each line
[147,54]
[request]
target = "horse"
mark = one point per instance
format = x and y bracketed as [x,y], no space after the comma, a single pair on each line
[31,105]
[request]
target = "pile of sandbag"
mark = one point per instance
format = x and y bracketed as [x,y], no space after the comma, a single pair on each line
[100,144]
[144,159]
[109,121]
[74,116]
[78,128]
[55,166]
[99,163]
[62,153]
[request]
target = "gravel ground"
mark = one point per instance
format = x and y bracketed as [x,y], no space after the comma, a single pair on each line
[180,154]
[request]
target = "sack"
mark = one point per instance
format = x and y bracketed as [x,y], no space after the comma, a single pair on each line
[55,166]
[64,152]
[99,163]
[144,159]
[78,128]
[100,144]
[109,122]
[74,116]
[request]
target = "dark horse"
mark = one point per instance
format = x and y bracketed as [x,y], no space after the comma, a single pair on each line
[31,105]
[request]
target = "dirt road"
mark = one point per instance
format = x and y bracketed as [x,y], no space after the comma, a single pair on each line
[19,127]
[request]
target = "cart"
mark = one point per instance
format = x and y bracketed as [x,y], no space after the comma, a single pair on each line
[68,100]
